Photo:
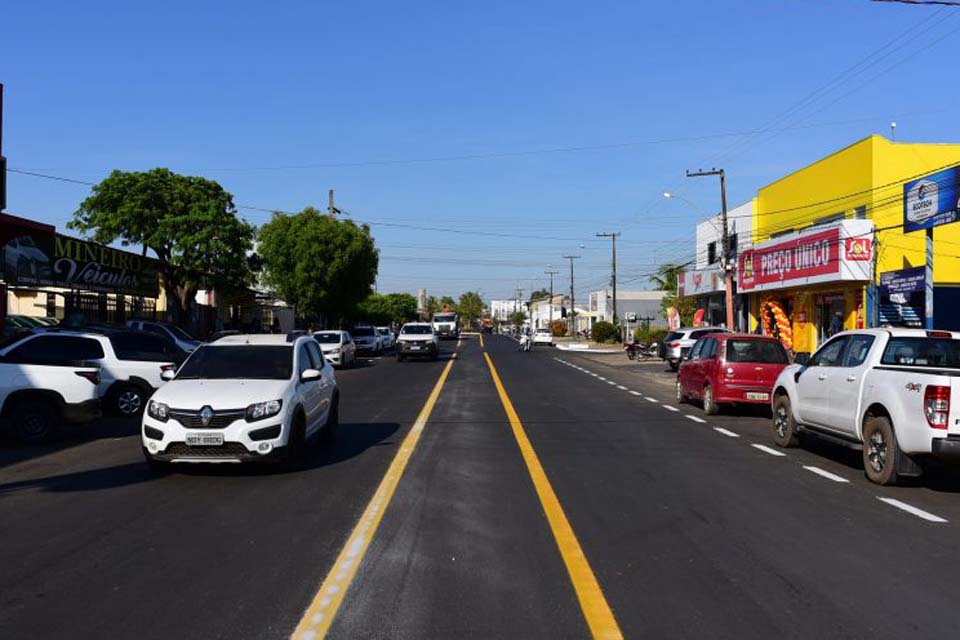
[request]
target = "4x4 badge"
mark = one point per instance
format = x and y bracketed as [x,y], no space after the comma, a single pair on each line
[206,415]
[913,386]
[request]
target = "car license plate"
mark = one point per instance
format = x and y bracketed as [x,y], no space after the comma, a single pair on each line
[415,347]
[204,439]
[752,395]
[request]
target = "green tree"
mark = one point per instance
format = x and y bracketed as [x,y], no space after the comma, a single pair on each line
[325,267]
[432,306]
[516,319]
[190,223]
[667,277]
[470,307]
[539,294]
[392,308]
[446,302]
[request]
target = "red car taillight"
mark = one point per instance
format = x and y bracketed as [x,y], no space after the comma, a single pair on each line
[674,345]
[936,406]
[92,376]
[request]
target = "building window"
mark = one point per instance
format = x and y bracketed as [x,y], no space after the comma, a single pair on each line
[711,253]
[732,246]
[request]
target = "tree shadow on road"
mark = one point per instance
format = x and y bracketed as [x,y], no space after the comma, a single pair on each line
[12,451]
[352,440]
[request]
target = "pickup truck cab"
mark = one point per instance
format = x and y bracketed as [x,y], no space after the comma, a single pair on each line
[893,393]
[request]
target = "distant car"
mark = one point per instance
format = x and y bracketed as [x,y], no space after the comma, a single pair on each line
[417,340]
[543,336]
[386,338]
[367,340]
[171,331]
[677,344]
[338,347]
[242,399]
[731,368]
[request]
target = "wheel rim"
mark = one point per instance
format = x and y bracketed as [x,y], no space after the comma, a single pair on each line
[707,399]
[877,454]
[33,426]
[129,402]
[679,391]
[781,422]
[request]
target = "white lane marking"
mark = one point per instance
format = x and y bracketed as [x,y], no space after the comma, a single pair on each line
[694,418]
[729,434]
[601,378]
[670,408]
[766,449]
[621,387]
[825,474]
[610,382]
[596,375]
[635,393]
[649,399]
[920,513]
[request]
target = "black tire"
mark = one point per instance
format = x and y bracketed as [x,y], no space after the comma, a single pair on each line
[881,453]
[295,453]
[785,433]
[400,357]
[35,421]
[128,400]
[674,366]
[710,406]
[632,355]
[158,467]
[681,396]
[329,432]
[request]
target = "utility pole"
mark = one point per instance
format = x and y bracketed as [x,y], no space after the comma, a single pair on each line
[331,209]
[613,278]
[725,239]
[551,274]
[573,305]
[3,160]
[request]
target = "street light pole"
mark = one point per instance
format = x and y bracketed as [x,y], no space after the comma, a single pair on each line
[613,278]
[573,305]
[551,274]
[725,238]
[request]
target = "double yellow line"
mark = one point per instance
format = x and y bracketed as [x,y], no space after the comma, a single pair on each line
[320,614]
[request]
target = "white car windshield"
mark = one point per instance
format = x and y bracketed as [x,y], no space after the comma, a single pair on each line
[417,330]
[327,338]
[252,362]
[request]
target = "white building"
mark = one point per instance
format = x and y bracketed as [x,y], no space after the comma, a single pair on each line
[500,310]
[543,311]
[645,304]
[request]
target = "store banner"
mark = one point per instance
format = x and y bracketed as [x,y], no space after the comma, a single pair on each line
[931,201]
[910,280]
[55,260]
[843,252]
[700,282]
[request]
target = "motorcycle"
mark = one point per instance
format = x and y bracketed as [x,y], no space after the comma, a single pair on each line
[640,351]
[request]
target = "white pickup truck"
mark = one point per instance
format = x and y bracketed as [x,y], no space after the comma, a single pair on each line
[893,393]
[35,399]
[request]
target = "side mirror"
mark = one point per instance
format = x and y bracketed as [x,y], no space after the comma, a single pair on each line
[310,375]
[802,358]
[167,375]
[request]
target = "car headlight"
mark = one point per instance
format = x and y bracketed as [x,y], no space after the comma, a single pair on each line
[262,410]
[158,411]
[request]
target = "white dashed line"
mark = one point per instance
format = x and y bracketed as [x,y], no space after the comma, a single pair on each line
[920,513]
[766,449]
[649,399]
[694,418]
[670,408]
[635,393]
[729,434]
[825,474]
[621,387]
[610,382]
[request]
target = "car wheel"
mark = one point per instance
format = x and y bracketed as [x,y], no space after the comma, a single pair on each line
[674,365]
[128,400]
[329,432]
[681,396]
[34,421]
[880,451]
[156,466]
[710,407]
[784,426]
[295,456]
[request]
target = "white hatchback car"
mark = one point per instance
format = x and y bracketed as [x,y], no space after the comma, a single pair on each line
[243,398]
[337,347]
[543,336]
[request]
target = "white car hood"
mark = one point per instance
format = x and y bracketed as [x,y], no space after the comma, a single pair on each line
[219,394]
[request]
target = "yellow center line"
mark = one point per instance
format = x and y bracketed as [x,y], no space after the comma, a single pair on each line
[592,601]
[481,342]
[319,615]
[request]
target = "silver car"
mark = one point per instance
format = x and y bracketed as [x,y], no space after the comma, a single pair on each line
[337,347]
[677,344]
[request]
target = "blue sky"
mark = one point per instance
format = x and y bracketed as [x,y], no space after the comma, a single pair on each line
[281,101]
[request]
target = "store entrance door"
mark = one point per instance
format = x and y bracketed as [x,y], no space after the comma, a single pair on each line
[830,316]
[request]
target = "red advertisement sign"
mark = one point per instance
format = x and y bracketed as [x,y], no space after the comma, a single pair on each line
[857,248]
[817,254]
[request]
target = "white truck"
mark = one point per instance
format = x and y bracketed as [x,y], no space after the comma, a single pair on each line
[35,399]
[446,324]
[892,393]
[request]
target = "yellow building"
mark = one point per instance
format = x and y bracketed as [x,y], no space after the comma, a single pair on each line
[823,234]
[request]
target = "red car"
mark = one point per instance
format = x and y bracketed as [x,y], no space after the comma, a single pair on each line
[731,368]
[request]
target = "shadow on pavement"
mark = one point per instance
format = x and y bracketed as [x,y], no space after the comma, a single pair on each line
[352,440]
[12,451]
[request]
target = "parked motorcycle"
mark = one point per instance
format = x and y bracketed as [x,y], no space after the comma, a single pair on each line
[640,351]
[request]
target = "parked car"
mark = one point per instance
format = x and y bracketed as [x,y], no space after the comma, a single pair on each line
[731,368]
[244,398]
[337,347]
[130,362]
[11,326]
[677,344]
[386,338]
[417,340]
[36,399]
[171,331]
[892,393]
[367,340]
[543,336]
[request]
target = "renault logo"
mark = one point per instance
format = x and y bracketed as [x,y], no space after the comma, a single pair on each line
[206,415]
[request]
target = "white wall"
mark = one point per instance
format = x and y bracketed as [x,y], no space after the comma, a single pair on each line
[739,221]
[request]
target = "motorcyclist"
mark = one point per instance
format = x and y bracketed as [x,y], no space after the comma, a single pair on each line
[525,341]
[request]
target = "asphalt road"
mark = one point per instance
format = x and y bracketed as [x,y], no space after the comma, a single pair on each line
[686,528]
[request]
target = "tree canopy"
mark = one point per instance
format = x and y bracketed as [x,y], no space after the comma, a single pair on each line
[190,223]
[470,307]
[392,308]
[667,277]
[517,318]
[323,266]
[448,303]
[539,294]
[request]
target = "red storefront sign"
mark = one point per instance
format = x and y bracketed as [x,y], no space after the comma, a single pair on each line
[814,255]
[857,249]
